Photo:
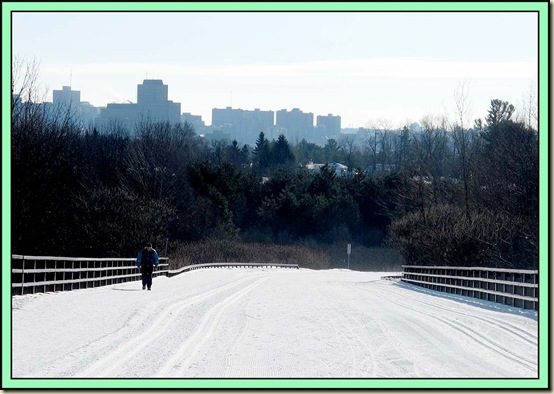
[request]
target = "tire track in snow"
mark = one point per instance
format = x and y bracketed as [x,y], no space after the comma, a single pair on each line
[335,321]
[106,366]
[382,350]
[83,357]
[490,344]
[465,329]
[78,359]
[345,327]
[510,328]
[480,338]
[416,360]
[351,323]
[349,357]
[182,358]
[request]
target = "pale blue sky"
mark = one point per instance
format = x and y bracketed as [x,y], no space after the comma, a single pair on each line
[364,66]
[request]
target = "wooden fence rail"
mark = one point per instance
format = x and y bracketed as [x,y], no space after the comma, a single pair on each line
[517,288]
[39,274]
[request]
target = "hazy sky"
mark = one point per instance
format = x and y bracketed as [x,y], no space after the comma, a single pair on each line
[363,66]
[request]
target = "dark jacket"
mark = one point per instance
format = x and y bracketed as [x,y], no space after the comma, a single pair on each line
[147,258]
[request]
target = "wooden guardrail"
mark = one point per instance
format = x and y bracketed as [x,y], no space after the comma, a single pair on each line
[39,274]
[517,288]
[229,265]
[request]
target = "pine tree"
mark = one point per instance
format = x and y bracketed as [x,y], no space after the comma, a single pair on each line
[233,154]
[281,152]
[245,155]
[262,155]
[498,112]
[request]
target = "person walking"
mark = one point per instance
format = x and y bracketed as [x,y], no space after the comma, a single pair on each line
[147,259]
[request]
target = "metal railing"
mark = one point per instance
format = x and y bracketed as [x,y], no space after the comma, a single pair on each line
[229,265]
[40,274]
[518,288]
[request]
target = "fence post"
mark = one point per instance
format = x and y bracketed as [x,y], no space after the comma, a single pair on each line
[22,274]
[34,275]
[535,292]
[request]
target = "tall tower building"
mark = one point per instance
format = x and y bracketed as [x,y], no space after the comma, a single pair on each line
[66,97]
[295,123]
[151,91]
[329,124]
[243,125]
[153,105]
[258,121]
[83,113]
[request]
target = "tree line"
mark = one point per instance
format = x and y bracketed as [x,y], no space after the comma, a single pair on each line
[446,195]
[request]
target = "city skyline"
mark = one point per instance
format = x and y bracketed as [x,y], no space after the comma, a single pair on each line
[68,96]
[363,66]
[153,105]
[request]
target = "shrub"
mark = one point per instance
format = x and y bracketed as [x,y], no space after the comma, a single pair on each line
[232,250]
[446,236]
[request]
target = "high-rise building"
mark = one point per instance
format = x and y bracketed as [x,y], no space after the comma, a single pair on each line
[226,116]
[229,119]
[153,105]
[329,125]
[194,120]
[83,113]
[66,97]
[243,125]
[258,121]
[152,92]
[295,124]
[117,117]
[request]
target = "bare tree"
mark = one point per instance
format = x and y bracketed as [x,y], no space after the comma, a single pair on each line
[431,153]
[45,162]
[463,138]
[25,80]
[530,113]
[347,144]
[379,143]
[385,126]
[219,150]
[401,148]
[372,146]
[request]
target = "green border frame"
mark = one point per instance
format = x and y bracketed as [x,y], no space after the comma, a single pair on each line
[543,382]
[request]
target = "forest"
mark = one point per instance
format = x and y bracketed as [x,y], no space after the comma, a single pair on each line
[450,194]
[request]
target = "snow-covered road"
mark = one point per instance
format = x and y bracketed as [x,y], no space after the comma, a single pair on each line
[263,323]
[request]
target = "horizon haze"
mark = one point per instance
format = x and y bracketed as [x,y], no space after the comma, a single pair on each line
[363,66]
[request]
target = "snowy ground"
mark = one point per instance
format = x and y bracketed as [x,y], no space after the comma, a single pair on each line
[263,323]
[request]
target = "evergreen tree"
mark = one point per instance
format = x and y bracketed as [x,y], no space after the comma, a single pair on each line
[331,150]
[281,153]
[245,155]
[306,152]
[262,155]
[498,112]
[234,154]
